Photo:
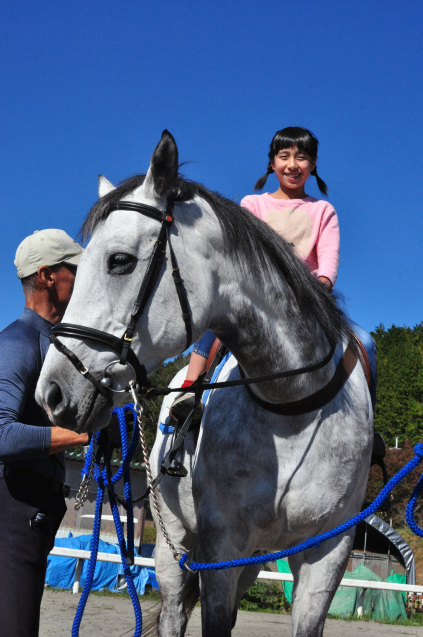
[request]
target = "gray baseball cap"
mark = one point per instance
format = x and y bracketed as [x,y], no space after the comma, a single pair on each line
[46,247]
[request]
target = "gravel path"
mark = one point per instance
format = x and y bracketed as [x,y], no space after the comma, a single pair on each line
[114,617]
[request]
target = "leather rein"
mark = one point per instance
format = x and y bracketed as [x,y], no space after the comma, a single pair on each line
[127,357]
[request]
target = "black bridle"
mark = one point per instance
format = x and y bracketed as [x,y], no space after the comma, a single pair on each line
[122,345]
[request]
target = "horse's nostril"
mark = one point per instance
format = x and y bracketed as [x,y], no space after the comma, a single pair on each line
[53,396]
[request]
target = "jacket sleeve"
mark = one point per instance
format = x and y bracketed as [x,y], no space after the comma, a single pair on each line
[20,367]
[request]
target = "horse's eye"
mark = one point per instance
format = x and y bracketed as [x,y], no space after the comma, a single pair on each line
[121,263]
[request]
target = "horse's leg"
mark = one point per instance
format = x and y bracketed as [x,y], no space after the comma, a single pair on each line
[317,573]
[179,591]
[246,579]
[221,590]
[218,589]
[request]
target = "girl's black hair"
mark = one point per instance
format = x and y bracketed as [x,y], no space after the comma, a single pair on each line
[289,137]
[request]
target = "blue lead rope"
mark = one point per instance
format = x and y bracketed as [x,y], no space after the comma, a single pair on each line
[126,548]
[318,539]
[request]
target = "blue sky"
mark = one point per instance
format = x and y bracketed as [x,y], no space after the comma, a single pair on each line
[88,87]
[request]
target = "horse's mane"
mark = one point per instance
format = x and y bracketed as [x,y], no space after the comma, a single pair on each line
[243,235]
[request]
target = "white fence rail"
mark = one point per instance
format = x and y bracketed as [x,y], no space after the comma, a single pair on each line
[267,575]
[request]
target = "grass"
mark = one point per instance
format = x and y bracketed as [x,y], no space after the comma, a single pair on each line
[149,536]
[415,620]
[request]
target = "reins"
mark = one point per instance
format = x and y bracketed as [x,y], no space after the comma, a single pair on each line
[245,380]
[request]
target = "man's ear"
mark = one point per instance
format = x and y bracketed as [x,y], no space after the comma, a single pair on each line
[44,277]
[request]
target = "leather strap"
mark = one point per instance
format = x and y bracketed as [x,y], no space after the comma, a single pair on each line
[81,368]
[319,398]
[364,358]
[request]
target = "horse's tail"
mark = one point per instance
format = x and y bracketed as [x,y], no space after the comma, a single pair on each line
[191,597]
[149,621]
[191,592]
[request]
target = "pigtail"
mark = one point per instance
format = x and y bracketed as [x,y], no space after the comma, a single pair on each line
[320,183]
[262,181]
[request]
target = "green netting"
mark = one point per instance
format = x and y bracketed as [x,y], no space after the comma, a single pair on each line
[399,579]
[377,604]
[283,567]
[385,604]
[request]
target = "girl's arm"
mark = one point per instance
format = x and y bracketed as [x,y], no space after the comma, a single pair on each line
[327,247]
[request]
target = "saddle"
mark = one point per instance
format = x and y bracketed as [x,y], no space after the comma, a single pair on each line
[364,360]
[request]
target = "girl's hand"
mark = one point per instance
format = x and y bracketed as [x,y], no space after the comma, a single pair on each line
[326,282]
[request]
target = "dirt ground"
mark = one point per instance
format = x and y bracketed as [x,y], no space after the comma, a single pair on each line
[114,617]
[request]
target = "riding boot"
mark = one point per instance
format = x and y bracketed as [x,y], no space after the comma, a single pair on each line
[183,404]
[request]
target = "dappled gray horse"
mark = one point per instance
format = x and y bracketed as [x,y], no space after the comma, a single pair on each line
[284,461]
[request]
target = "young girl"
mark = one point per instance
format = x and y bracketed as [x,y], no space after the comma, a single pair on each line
[309,224]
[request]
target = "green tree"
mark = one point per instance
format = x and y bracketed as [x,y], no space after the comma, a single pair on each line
[399,409]
[395,460]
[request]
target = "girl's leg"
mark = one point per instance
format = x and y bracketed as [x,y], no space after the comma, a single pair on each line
[199,356]
[197,366]
[183,403]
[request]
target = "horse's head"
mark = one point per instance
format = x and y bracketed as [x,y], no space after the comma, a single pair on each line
[125,316]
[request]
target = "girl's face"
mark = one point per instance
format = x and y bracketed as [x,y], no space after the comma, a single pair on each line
[292,168]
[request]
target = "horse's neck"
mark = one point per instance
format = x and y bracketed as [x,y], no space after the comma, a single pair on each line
[263,328]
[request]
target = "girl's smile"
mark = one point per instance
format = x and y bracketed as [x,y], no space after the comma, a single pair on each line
[292,167]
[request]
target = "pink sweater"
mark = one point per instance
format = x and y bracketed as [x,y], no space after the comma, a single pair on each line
[309,224]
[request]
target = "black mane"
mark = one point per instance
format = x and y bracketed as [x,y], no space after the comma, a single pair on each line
[244,234]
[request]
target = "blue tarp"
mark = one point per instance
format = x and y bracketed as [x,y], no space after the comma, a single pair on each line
[61,570]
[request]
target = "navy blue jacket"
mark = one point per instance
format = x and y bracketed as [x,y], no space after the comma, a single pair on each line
[25,431]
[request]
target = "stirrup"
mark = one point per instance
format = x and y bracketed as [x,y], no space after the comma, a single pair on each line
[183,405]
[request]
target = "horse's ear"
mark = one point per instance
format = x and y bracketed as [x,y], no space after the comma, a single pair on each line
[104,186]
[163,169]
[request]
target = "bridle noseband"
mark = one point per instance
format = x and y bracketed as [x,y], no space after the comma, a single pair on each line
[122,345]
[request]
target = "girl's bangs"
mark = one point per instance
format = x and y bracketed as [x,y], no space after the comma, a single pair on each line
[288,138]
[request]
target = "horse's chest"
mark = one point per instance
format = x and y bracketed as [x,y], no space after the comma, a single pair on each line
[272,483]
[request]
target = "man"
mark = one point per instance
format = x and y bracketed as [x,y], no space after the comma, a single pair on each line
[32,463]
